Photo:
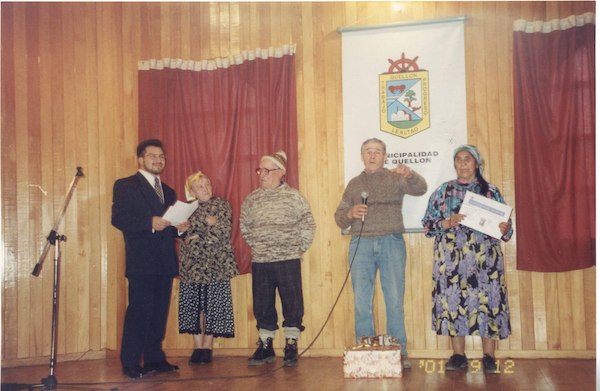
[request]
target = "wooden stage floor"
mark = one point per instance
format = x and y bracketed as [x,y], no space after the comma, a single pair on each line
[312,373]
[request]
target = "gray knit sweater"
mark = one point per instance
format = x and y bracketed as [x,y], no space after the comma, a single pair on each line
[277,224]
[386,191]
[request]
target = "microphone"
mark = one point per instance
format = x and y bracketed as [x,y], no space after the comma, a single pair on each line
[363,198]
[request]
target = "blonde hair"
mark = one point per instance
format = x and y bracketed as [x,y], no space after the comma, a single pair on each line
[190,181]
[279,158]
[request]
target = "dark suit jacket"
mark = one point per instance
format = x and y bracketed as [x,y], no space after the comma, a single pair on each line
[134,204]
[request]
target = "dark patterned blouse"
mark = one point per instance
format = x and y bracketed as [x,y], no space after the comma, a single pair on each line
[207,253]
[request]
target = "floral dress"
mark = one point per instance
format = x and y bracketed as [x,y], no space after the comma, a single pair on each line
[469,288]
[207,265]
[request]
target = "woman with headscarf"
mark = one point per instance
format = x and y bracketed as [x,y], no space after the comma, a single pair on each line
[206,268]
[469,287]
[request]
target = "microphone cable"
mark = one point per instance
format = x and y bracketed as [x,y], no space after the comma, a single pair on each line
[362,224]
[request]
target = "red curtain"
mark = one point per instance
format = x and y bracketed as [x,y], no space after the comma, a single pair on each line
[554,105]
[220,118]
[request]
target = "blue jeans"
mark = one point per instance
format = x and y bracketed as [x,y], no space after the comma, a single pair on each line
[388,255]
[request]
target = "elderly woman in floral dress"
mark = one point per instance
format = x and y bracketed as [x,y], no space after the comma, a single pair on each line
[206,268]
[469,288]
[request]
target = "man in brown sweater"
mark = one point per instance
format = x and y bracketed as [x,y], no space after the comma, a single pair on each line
[378,224]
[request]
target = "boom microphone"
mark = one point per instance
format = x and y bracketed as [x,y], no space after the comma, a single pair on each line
[363,197]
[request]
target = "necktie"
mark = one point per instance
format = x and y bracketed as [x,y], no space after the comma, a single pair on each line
[158,190]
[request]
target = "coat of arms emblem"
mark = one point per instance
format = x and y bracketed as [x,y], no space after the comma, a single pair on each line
[404,98]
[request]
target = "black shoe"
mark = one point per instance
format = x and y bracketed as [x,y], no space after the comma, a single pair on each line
[290,353]
[162,366]
[134,372]
[457,362]
[206,356]
[263,354]
[489,364]
[196,357]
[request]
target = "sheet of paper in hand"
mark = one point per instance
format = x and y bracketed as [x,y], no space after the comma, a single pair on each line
[180,212]
[484,214]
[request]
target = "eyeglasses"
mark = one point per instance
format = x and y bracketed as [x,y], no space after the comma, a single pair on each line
[265,171]
[155,157]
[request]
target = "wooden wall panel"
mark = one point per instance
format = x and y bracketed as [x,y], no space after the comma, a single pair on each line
[69,98]
[8,210]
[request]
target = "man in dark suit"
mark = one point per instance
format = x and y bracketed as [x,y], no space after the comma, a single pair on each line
[139,201]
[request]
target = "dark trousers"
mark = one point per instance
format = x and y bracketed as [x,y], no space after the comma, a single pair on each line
[146,319]
[286,277]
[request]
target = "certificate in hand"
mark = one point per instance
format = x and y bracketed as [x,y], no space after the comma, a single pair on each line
[484,214]
[180,212]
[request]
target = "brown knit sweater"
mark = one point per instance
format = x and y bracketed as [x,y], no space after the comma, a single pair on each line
[386,191]
[277,224]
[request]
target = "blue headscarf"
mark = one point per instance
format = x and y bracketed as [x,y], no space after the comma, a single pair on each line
[473,151]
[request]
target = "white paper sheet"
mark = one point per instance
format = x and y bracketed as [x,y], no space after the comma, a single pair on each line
[483,214]
[180,212]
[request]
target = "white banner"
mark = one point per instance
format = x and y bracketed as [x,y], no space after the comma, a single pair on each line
[406,86]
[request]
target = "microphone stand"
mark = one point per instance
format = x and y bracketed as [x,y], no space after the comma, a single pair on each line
[54,239]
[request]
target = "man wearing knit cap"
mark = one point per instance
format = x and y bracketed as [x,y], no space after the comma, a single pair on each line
[379,227]
[278,225]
